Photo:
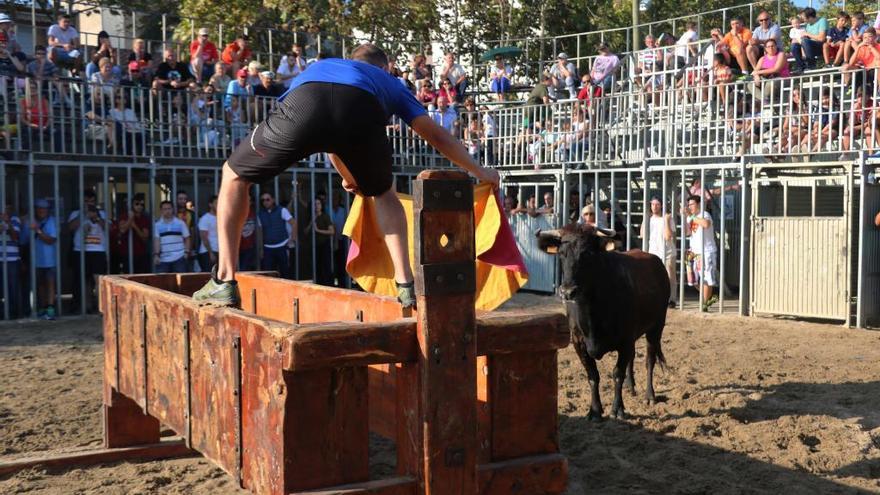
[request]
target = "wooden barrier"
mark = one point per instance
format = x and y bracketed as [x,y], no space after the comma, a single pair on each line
[282,394]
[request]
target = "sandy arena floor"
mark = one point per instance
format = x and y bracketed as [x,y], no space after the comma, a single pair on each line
[748,406]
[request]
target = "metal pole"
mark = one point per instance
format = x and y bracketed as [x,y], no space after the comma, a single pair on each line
[628,210]
[57,212]
[864,221]
[108,211]
[743,291]
[82,248]
[164,33]
[645,207]
[130,207]
[721,280]
[312,221]
[635,25]
[32,272]
[683,262]
[5,240]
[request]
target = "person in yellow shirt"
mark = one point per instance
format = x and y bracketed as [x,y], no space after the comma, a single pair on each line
[737,39]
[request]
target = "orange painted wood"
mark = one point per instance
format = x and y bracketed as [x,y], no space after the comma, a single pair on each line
[538,475]
[523,391]
[443,175]
[403,485]
[351,344]
[125,423]
[161,450]
[326,429]
[484,412]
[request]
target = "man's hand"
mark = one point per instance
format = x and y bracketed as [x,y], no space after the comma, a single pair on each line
[350,186]
[489,175]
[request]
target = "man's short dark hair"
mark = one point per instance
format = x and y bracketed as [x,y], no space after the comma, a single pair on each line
[694,198]
[166,202]
[181,191]
[737,19]
[63,16]
[39,48]
[870,30]
[212,198]
[809,12]
[860,16]
[843,14]
[138,197]
[719,57]
[370,54]
[88,193]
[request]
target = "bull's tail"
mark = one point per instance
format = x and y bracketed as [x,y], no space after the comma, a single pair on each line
[658,351]
[654,338]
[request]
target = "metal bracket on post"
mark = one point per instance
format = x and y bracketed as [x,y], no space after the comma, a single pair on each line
[254,301]
[236,392]
[359,316]
[296,311]
[144,348]
[116,339]
[188,384]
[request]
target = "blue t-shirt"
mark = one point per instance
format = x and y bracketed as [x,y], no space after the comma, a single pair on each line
[45,253]
[393,96]
[835,35]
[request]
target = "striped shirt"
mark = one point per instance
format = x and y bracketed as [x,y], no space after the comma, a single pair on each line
[8,245]
[171,234]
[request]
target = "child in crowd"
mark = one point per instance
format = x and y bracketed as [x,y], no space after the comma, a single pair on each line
[796,35]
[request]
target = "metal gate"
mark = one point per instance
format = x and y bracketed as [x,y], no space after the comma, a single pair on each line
[801,251]
[541,266]
[869,281]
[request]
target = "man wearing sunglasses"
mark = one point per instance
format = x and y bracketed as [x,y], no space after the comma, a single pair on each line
[766,30]
[340,107]
[203,55]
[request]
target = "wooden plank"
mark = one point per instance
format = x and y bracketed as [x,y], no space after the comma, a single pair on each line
[545,474]
[519,331]
[161,450]
[523,396]
[402,485]
[484,412]
[408,419]
[357,344]
[382,379]
[333,345]
[318,304]
[447,340]
[125,424]
[326,429]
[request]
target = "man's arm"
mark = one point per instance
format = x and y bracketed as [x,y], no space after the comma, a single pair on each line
[451,148]
[877,220]
[205,241]
[292,239]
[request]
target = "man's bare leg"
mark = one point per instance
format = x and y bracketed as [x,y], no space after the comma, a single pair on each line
[232,209]
[392,222]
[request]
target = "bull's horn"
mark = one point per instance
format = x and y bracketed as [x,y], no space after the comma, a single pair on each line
[549,233]
[602,232]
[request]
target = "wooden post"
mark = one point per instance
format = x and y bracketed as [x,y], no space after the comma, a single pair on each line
[445,288]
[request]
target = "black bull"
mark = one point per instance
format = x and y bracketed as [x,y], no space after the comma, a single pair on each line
[611,299]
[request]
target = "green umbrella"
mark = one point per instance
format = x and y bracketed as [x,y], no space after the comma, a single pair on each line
[504,51]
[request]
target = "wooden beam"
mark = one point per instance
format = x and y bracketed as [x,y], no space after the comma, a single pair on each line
[512,332]
[401,485]
[163,450]
[334,345]
[541,474]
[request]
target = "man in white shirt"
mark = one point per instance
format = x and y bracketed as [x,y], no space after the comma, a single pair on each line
[563,74]
[702,244]
[63,42]
[291,65]
[766,30]
[171,242]
[661,242]
[89,241]
[686,47]
[444,115]
[208,235]
[456,75]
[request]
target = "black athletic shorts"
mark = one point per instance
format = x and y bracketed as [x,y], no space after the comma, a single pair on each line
[320,117]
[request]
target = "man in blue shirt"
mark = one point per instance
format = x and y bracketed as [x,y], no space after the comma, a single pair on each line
[45,233]
[339,107]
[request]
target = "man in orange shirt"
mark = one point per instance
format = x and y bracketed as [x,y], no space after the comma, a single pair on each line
[237,54]
[737,40]
[867,56]
[203,55]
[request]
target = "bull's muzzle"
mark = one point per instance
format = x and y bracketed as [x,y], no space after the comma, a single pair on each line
[567,292]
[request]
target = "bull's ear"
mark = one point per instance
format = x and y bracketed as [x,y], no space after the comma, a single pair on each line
[549,240]
[610,244]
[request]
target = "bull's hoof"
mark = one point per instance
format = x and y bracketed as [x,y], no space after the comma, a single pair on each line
[652,402]
[595,416]
[631,389]
[619,414]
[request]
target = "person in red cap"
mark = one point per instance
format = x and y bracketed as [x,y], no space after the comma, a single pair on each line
[11,64]
[136,76]
[238,88]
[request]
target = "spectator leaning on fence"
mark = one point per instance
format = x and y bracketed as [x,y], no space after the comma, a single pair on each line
[444,115]
[540,94]
[238,88]
[455,74]
[832,49]
[45,231]
[686,48]
[171,242]
[172,74]
[63,42]
[866,56]
[11,64]
[765,30]
[208,236]
[89,241]
[203,55]
[136,225]
[500,74]
[142,57]
[563,74]
[771,64]
[274,221]
[10,259]
[104,50]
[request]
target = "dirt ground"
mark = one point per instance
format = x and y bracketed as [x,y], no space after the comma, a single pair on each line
[747,406]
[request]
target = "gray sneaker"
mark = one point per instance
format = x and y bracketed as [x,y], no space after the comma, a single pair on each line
[218,293]
[406,295]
